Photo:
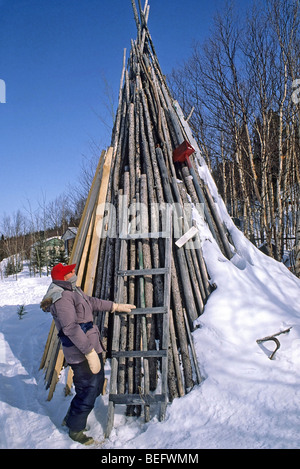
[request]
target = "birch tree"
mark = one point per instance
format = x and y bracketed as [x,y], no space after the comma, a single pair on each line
[240,83]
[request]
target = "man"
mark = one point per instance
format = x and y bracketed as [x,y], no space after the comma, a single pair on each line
[72,311]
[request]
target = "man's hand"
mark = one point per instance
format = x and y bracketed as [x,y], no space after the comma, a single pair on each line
[93,361]
[122,308]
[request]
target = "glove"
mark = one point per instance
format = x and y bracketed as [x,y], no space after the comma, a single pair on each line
[121,308]
[93,361]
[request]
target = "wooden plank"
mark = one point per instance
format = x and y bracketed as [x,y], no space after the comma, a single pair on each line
[52,354]
[87,213]
[50,370]
[49,340]
[98,225]
[82,248]
[81,266]
[56,373]
[90,223]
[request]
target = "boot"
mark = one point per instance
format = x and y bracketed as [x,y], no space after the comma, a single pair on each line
[80,437]
[64,422]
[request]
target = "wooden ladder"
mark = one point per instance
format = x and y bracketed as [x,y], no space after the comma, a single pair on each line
[143,397]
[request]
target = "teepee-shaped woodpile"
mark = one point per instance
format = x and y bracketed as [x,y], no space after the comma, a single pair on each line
[150,167]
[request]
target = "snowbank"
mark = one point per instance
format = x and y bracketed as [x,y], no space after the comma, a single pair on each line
[244,401]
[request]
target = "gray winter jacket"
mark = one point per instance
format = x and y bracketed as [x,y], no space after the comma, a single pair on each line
[72,311]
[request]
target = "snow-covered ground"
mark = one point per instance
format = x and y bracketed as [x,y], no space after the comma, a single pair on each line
[245,400]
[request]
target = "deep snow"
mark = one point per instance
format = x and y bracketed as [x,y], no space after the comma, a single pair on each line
[244,401]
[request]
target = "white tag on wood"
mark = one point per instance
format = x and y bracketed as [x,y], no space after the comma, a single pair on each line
[186,237]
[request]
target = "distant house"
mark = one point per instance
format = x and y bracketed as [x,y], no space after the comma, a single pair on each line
[69,237]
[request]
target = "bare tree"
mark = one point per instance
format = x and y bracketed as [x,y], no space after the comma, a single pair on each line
[58,214]
[297,248]
[240,86]
[13,228]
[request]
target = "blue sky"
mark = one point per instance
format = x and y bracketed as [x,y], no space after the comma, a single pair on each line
[53,57]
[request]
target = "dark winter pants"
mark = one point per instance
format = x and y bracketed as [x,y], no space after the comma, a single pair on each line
[87,387]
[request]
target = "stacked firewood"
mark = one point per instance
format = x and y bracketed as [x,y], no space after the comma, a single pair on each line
[153,171]
[146,182]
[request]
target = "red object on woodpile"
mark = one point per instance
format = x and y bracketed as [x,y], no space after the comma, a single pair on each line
[182,153]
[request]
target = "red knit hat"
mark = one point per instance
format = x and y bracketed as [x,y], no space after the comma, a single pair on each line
[59,271]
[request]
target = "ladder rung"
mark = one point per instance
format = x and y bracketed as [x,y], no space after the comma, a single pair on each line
[139,353]
[136,399]
[158,271]
[155,234]
[157,310]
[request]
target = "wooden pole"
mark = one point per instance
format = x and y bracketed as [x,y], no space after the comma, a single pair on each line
[98,226]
